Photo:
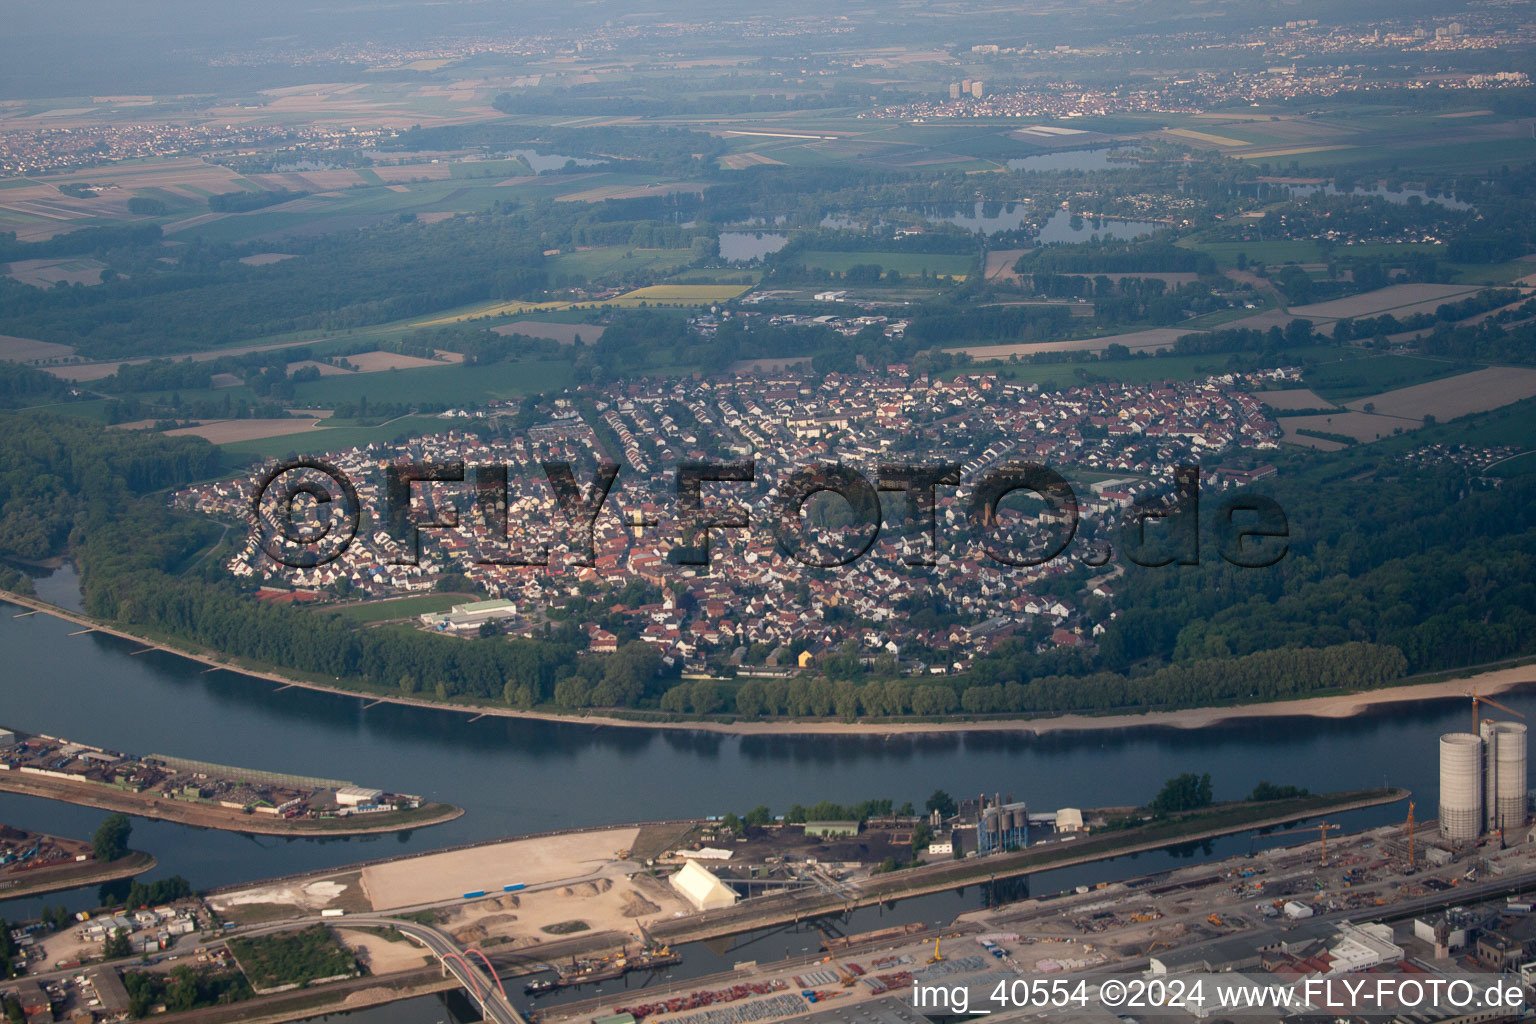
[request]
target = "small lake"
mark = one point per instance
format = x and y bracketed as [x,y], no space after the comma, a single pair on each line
[541,162]
[1065,227]
[746,246]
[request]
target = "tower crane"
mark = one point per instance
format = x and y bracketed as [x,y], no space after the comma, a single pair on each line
[1476,700]
[1323,829]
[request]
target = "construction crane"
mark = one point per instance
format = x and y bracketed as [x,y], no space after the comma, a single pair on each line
[1323,828]
[843,974]
[936,958]
[1476,700]
[1408,828]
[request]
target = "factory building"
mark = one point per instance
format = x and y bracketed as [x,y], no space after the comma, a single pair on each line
[358,796]
[470,616]
[1483,781]
[699,886]
[7,738]
[1001,826]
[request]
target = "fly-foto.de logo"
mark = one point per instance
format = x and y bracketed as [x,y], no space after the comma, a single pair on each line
[307,513]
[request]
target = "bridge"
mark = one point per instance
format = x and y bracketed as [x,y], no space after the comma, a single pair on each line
[480,981]
[470,967]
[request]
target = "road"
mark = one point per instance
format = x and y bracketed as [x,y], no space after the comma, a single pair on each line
[478,979]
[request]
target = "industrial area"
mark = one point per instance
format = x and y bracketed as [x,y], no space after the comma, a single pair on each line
[201,793]
[599,925]
[35,862]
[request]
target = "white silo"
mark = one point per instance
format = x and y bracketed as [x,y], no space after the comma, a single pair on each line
[1488,732]
[1510,774]
[1461,786]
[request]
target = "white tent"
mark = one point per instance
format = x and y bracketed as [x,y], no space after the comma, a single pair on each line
[696,884]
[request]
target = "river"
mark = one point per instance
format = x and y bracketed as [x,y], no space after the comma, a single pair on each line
[515,776]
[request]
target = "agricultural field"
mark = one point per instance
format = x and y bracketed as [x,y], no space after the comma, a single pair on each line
[595,264]
[1378,416]
[47,273]
[908,264]
[1450,397]
[447,383]
[1397,299]
[28,350]
[1137,341]
[683,294]
[1293,399]
[324,439]
[251,429]
[1361,426]
[1366,375]
[1140,370]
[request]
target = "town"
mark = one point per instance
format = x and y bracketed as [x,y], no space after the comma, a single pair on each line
[741,610]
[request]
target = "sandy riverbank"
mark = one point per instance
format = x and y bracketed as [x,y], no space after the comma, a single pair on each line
[1489,682]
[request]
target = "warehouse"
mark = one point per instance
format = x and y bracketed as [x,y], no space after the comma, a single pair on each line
[471,616]
[109,989]
[696,884]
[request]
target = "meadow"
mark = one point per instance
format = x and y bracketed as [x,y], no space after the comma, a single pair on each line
[908,264]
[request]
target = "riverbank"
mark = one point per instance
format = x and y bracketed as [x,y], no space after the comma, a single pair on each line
[1488,682]
[75,876]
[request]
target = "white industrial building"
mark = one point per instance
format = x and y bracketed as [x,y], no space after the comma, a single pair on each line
[1362,947]
[358,796]
[698,885]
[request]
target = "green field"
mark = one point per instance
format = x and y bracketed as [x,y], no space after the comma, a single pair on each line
[456,384]
[617,261]
[911,264]
[331,438]
[399,607]
[1513,424]
[1494,273]
[1225,253]
[1369,375]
